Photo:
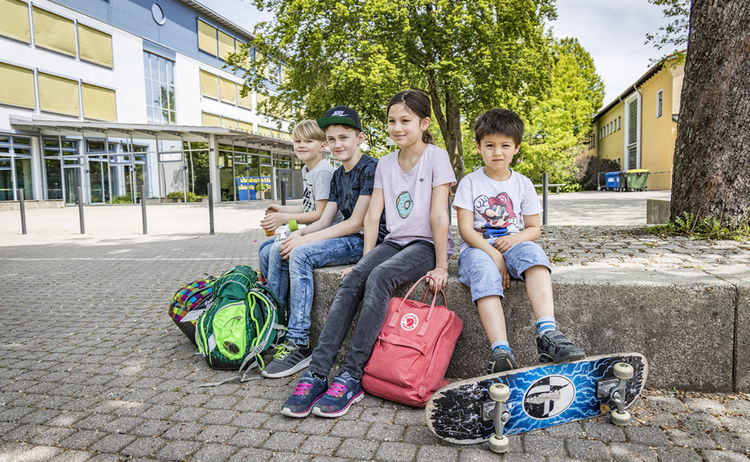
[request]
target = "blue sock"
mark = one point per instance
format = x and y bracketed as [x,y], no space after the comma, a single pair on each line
[500,344]
[544,324]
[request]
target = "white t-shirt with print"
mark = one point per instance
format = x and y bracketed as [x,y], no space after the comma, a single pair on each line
[317,186]
[497,203]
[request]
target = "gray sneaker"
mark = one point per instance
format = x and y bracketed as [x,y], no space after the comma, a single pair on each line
[554,347]
[501,360]
[288,359]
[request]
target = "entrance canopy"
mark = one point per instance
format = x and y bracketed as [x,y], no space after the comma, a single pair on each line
[90,129]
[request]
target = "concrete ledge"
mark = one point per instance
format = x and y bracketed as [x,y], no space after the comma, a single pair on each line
[657,211]
[693,327]
[31,204]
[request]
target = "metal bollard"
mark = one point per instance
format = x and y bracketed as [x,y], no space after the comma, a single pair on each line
[143,208]
[80,209]
[22,206]
[283,193]
[545,193]
[210,209]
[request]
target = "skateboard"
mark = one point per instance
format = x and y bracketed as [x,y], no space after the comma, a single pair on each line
[520,400]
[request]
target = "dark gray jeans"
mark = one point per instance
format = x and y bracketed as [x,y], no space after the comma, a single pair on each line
[372,281]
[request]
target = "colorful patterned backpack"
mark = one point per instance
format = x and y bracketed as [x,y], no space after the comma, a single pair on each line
[189,302]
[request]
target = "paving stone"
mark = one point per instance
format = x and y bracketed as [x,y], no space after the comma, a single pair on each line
[40,416]
[724,456]
[569,430]
[315,426]
[377,415]
[357,449]
[677,455]
[251,419]
[738,442]
[390,451]
[420,434]
[217,434]
[346,429]
[437,453]
[385,432]
[251,455]
[81,439]
[735,423]
[177,450]
[52,436]
[690,439]
[72,456]
[477,454]
[252,404]
[283,441]
[628,452]
[183,431]
[248,437]
[587,449]
[320,445]
[213,453]
[112,443]
[289,457]
[152,427]
[650,436]
[543,445]
[143,447]
[603,431]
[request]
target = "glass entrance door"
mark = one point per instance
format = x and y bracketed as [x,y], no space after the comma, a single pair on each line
[72,177]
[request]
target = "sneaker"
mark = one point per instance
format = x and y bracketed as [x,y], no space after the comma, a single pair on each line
[309,390]
[288,359]
[343,392]
[501,360]
[554,347]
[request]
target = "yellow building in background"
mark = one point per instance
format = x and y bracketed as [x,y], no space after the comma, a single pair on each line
[639,128]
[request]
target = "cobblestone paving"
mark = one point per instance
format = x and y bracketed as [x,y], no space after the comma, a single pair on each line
[91,368]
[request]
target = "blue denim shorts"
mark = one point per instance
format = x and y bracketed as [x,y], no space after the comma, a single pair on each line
[477,270]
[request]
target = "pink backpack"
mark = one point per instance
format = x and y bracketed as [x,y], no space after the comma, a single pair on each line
[413,349]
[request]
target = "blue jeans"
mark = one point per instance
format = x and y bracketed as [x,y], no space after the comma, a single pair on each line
[302,261]
[477,270]
[274,267]
[372,281]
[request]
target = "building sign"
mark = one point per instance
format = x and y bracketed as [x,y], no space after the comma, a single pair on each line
[252,186]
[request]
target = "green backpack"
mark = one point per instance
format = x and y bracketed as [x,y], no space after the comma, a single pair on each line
[244,320]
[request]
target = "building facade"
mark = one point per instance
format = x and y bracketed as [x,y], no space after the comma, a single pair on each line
[639,128]
[108,96]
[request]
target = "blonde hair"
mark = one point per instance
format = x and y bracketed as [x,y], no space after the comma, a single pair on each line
[308,130]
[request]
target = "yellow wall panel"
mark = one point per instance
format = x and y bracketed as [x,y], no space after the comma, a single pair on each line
[658,134]
[245,101]
[54,32]
[265,131]
[226,122]
[210,120]
[95,46]
[17,87]
[262,103]
[247,126]
[209,84]
[58,94]
[14,20]
[206,38]
[226,45]
[228,91]
[98,103]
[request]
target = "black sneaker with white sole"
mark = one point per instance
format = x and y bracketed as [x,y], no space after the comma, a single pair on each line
[501,360]
[554,347]
[288,359]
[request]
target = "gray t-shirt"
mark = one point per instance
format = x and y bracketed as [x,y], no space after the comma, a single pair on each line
[407,196]
[317,186]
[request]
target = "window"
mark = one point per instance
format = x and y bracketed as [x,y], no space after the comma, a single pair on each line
[659,101]
[247,126]
[619,122]
[54,32]
[246,101]
[226,122]
[15,167]
[226,45]
[160,101]
[18,86]
[95,46]
[210,120]
[58,95]
[209,84]
[14,20]
[207,38]
[98,103]
[261,103]
[228,91]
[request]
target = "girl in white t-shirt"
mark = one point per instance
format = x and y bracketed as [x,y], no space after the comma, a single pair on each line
[412,186]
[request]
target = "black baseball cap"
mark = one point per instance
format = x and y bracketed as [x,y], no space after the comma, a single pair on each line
[340,115]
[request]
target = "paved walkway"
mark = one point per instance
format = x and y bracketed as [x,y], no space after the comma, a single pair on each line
[91,367]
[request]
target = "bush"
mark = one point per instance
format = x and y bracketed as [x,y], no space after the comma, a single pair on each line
[126,199]
[589,168]
[180,195]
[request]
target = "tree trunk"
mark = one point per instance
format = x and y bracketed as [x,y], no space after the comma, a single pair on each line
[449,122]
[711,176]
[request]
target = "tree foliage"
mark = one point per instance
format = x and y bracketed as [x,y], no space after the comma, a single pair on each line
[469,55]
[673,36]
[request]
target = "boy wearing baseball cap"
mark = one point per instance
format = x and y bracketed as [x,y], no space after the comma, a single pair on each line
[324,243]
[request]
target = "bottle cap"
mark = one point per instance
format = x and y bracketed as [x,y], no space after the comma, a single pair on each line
[293,226]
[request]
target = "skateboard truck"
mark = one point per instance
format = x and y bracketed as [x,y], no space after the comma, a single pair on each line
[614,390]
[499,392]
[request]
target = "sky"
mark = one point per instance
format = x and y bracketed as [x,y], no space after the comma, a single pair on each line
[612,31]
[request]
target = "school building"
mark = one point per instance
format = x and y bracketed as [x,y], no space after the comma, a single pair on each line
[639,128]
[107,96]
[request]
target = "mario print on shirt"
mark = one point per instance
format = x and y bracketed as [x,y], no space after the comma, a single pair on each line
[498,210]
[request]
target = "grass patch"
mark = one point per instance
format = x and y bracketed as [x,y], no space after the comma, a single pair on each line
[708,229]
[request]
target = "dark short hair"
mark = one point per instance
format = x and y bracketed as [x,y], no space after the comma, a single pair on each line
[499,122]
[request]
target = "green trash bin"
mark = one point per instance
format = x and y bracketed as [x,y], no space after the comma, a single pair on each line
[636,179]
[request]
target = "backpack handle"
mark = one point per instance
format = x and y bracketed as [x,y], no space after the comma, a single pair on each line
[397,311]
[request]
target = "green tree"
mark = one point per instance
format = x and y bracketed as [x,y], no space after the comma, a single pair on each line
[673,36]
[469,55]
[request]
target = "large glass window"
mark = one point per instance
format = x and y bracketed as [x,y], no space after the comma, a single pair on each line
[15,167]
[62,168]
[160,101]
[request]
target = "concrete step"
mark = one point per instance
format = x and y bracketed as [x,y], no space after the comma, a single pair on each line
[693,326]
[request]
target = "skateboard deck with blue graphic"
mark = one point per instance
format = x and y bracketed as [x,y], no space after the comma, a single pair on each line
[541,396]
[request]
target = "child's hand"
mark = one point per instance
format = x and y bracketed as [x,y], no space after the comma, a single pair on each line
[439,279]
[504,243]
[272,220]
[295,239]
[500,263]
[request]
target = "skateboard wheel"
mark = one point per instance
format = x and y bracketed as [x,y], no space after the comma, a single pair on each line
[499,445]
[623,371]
[499,392]
[621,419]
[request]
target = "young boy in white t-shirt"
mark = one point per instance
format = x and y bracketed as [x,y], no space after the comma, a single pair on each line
[498,217]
